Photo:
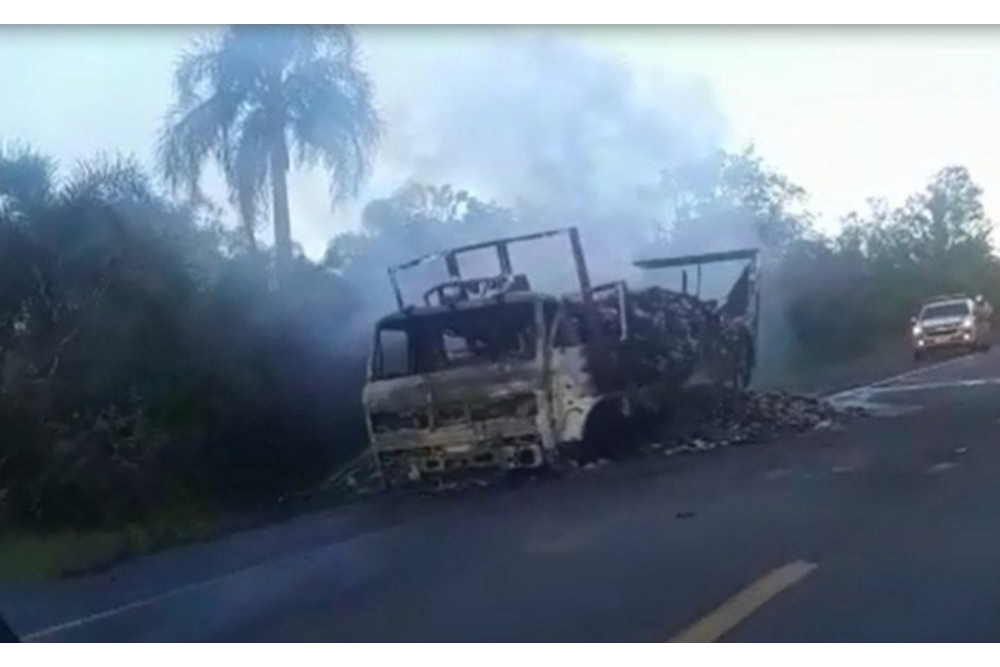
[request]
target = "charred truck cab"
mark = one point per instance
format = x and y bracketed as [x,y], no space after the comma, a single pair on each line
[487,374]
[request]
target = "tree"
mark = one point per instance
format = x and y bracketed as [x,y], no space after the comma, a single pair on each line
[91,334]
[144,366]
[26,179]
[946,220]
[416,219]
[860,287]
[733,198]
[253,99]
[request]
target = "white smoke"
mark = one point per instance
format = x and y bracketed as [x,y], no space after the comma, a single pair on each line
[541,118]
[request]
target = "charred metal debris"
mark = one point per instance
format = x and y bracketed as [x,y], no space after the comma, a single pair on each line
[707,417]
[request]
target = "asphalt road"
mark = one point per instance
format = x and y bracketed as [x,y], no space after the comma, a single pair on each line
[885,530]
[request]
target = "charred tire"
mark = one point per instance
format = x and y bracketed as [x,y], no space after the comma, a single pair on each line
[607,433]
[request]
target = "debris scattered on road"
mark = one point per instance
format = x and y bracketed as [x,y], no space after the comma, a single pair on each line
[594,465]
[863,399]
[706,417]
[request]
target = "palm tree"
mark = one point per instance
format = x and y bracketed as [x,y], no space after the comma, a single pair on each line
[251,99]
[27,179]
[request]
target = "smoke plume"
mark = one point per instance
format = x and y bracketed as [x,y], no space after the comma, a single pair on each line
[566,133]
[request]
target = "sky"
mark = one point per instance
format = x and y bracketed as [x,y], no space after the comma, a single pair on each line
[847,113]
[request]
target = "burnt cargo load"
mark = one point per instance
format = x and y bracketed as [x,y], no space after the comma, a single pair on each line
[489,375]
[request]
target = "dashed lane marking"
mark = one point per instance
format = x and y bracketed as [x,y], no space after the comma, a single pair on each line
[737,608]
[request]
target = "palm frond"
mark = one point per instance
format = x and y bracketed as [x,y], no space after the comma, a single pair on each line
[196,68]
[212,81]
[246,168]
[251,91]
[321,42]
[108,179]
[333,121]
[26,176]
[190,136]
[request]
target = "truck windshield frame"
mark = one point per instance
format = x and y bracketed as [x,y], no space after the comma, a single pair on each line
[449,340]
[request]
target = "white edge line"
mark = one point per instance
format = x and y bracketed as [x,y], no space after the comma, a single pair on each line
[892,378]
[173,592]
[924,386]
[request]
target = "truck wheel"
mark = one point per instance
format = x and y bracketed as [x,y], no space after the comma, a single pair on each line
[607,433]
[564,459]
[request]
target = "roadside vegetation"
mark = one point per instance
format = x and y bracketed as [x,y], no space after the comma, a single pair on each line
[160,369]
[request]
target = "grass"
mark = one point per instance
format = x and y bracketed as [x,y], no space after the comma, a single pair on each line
[36,557]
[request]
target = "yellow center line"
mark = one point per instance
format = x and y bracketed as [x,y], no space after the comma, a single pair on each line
[737,608]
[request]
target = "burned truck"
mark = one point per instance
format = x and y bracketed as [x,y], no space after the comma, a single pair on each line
[487,374]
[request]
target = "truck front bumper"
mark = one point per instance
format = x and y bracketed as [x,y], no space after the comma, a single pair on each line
[412,464]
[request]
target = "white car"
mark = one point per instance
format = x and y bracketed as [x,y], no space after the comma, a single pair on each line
[957,322]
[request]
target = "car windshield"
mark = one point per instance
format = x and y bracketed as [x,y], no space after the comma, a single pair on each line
[940,310]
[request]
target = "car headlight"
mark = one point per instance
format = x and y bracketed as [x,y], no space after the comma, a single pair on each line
[917,329]
[968,322]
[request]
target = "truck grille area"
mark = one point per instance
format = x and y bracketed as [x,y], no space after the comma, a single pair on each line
[388,422]
[520,406]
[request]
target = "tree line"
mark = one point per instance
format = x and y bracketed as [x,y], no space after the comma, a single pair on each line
[154,358]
